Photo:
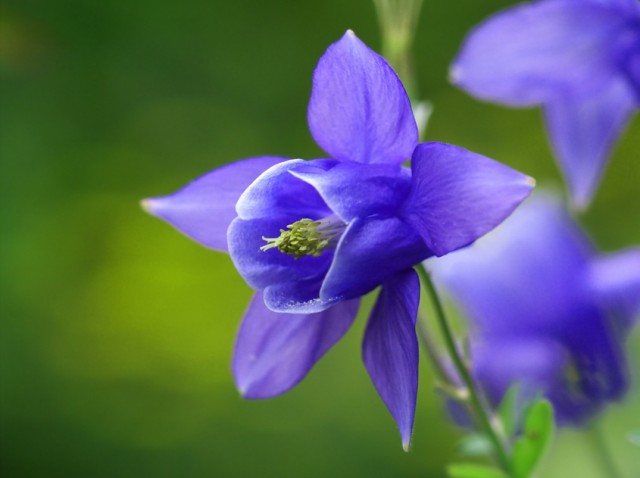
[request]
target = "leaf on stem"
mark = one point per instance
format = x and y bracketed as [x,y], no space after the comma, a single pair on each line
[529,449]
[508,411]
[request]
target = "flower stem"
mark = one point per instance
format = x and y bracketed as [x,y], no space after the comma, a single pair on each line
[432,351]
[602,452]
[398,20]
[474,402]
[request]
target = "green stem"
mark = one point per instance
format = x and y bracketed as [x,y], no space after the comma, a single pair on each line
[602,452]
[432,351]
[398,20]
[480,412]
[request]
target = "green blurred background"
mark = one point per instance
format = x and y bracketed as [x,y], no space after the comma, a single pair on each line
[116,331]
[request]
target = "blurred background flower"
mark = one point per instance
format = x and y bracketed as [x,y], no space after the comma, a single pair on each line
[116,332]
[535,317]
[580,60]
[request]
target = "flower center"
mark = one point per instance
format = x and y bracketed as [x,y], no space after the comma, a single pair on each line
[307,237]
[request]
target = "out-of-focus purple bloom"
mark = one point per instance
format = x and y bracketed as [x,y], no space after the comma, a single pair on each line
[547,311]
[311,237]
[579,59]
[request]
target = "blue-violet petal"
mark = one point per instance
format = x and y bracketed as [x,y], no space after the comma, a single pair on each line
[204,208]
[371,251]
[358,190]
[390,349]
[273,352]
[526,54]
[359,110]
[457,196]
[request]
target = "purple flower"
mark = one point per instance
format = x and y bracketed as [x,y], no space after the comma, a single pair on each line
[311,237]
[579,59]
[546,309]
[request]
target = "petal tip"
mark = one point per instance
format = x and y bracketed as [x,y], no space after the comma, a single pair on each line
[246,393]
[455,74]
[406,444]
[580,203]
[580,197]
[147,205]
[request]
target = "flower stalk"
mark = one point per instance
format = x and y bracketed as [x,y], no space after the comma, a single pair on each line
[444,381]
[472,398]
[398,20]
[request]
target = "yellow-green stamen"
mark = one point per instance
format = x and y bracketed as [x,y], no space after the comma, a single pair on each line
[306,237]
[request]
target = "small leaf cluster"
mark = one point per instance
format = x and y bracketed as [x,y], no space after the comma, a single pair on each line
[527,436]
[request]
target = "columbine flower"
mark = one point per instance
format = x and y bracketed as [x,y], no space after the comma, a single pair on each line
[548,311]
[312,236]
[579,59]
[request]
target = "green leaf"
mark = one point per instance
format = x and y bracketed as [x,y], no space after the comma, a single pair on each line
[524,458]
[465,470]
[539,419]
[529,449]
[507,410]
[475,444]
